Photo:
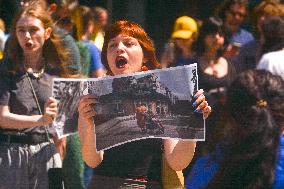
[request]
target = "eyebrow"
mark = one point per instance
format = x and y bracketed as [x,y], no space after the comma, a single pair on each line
[20,26]
[129,37]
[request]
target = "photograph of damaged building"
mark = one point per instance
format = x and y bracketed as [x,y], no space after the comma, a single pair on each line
[166,97]
[67,93]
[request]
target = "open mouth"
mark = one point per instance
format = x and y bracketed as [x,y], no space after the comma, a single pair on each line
[120,62]
[29,45]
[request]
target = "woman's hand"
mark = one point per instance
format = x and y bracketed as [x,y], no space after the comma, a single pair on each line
[86,130]
[86,109]
[50,111]
[201,104]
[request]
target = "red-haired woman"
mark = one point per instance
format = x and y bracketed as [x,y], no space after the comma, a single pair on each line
[128,49]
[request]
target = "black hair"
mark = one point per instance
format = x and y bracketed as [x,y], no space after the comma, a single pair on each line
[256,104]
[273,32]
[212,25]
[226,5]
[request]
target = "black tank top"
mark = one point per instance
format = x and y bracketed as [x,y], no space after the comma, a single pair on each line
[137,159]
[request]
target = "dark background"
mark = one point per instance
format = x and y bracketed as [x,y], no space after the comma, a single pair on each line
[156,16]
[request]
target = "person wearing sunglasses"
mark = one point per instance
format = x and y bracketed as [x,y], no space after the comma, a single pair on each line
[233,14]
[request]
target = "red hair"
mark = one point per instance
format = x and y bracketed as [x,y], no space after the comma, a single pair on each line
[133,30]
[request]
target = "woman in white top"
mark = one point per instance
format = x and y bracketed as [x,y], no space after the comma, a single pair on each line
[273,46]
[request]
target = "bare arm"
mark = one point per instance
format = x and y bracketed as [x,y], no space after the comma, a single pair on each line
[179,153]
[86,130]
[10,120]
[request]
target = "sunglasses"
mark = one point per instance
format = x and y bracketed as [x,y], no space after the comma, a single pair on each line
[233,13]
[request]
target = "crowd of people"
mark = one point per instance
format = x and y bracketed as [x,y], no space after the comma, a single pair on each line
[241,95]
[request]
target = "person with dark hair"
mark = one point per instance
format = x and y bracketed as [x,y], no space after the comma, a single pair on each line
[34,55]
[233,14]
[128,49]
[252,155]
[273,46]
[250,53]
[215,75]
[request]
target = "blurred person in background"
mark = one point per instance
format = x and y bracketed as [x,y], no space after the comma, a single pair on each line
[233,14]
[178,51]
[88,25]
[252,154]
[3,38]
[273,46]
[100,23]
[250,53]
[215,74]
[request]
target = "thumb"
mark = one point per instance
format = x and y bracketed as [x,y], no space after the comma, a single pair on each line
[49,101]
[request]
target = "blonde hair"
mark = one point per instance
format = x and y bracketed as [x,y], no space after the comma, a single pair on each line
[2,25]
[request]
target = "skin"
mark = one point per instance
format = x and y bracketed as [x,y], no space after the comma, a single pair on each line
[234,17]
[214,41]
[185,46]
[127,48]
[30,30]
[208,62]
[178,153]
[103,20]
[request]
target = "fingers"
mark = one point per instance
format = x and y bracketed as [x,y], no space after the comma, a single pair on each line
[199,96]
[206,112]
[49,114]
[52,104]
[86,108]
[50,100]
[199,100]
[85,101]
[50,110]
[89,114]
[201,104]
[88,111]
[198,93]
[48,118]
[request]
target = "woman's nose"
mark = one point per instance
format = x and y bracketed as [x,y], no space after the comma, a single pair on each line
[120,48]
[27,34]
[217,36]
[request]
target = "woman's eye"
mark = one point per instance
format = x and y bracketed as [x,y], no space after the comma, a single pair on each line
[129,43]
[21,31]
[33,30]
[112,45]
